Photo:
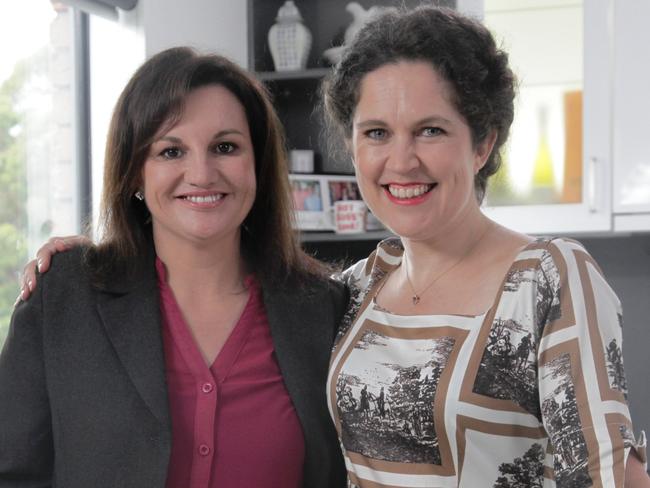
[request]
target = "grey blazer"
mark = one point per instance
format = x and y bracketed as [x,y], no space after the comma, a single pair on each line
[83,398]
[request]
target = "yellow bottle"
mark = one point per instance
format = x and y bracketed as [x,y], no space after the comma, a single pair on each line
[543,182]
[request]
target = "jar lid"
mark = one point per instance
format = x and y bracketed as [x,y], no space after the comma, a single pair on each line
[289,13]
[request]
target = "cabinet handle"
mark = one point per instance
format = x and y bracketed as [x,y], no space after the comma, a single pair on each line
[592,190]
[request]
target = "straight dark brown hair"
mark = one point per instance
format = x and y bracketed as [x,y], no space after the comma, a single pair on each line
[154,97]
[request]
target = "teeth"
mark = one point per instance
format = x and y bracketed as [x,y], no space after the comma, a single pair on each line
[204,199]
[410,192]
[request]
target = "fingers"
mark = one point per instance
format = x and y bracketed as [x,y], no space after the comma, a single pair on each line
[28,281]
[54,245]
[43,261]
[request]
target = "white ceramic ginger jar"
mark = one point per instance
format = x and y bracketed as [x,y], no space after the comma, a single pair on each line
[289,39]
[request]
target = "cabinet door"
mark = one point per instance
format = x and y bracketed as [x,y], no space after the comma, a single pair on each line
[557,164]
[631,107]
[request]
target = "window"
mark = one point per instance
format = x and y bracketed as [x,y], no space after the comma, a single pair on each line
[116,51]
[37,158]
[58,86]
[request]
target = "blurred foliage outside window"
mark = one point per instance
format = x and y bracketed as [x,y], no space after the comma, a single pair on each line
[13,212]
[38,196]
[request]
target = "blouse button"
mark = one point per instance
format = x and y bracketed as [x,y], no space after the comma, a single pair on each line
[206,387]
[204,450]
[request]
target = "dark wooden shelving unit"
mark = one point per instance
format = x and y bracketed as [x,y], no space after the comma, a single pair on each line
[305,74]
[297,100]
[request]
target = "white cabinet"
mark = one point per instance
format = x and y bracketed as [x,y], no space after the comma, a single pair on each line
[631,109]
[558,163]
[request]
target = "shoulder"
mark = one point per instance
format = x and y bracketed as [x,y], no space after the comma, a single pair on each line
[565,257]
[84,268]
[307,288]
[67,279]
[554,255]
[329,286]
[550,265]
[387,253]
[66,267]
[563,245]
[566,269]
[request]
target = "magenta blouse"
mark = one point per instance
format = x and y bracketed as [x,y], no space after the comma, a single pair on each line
[233,422]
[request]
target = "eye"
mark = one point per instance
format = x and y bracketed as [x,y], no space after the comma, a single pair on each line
[172,152]
[224,147]
[431,131]
[376,134]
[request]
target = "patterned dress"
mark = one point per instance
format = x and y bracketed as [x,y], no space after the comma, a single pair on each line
[530,394]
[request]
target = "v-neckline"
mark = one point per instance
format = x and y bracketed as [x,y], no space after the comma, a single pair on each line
[183,339]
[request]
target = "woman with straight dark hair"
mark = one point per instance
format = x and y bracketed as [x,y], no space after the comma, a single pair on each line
[189,348]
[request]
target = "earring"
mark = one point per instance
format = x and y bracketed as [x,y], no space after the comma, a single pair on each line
[139,195]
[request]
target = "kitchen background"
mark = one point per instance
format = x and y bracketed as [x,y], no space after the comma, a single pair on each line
[577,164]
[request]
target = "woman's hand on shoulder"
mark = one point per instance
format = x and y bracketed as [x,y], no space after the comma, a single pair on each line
[43,260]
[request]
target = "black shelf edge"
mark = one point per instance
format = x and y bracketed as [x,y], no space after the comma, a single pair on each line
[374,235]
[305,74]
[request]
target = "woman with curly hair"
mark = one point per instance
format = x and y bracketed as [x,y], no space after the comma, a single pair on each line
[488,344]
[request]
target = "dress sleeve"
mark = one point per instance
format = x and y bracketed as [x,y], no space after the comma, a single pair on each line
[26,446]
[582,385]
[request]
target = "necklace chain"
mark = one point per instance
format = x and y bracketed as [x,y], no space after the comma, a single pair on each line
[417,296]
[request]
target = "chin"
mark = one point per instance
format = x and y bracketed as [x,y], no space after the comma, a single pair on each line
[209,233]
[407,230]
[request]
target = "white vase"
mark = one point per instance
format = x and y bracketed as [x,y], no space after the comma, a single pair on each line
[289,39]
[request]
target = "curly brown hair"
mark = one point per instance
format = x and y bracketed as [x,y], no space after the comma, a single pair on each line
[460,49]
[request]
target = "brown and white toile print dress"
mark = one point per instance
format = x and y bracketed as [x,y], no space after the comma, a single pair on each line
[530,394]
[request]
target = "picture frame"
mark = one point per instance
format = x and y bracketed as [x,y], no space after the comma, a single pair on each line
[311,202]
[314,197]
[343,188]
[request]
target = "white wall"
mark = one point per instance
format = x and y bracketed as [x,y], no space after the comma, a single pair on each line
[471,7]
[208,25]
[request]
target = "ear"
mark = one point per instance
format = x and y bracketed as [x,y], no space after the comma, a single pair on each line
[484,149]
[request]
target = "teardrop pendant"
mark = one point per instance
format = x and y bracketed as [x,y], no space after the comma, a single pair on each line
[416,300]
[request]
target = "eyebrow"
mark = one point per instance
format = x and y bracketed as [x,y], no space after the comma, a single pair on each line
[221,133]
[370,123]
[435,119]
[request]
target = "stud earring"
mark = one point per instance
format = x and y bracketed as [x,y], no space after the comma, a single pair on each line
[139,195]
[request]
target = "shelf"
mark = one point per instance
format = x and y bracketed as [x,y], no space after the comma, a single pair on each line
[375,235]
[305,74]
[632,222]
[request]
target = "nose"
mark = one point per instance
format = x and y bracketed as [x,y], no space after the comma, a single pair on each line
[402,156]
[199,170]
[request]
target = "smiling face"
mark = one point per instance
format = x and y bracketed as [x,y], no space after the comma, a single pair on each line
[413,153]
[199,177]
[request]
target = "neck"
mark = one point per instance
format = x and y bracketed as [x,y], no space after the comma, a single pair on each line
[452,245]
[201,270]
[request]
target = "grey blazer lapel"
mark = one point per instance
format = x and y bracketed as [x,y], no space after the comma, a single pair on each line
[303,318]
[133,323]
[302,324]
